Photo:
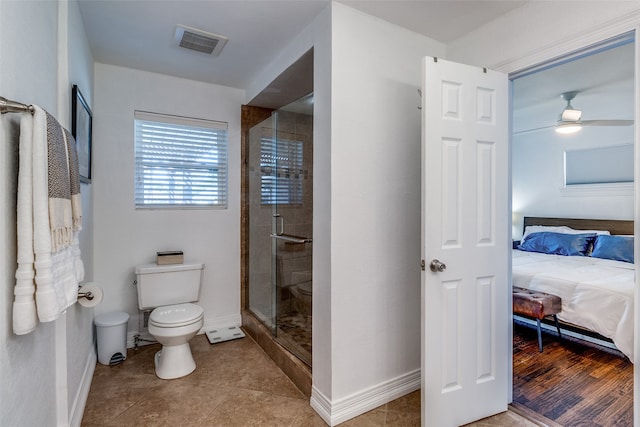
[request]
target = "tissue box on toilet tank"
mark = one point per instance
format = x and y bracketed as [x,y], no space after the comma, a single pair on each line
[169,257]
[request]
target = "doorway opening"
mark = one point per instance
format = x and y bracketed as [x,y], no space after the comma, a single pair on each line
[596,85]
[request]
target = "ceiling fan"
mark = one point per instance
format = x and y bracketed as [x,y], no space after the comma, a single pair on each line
[569,119]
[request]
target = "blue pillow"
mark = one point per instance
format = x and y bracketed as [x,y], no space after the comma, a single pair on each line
[619,248]
[558,243]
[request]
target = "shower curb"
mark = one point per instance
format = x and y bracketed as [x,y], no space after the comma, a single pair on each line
[298,372]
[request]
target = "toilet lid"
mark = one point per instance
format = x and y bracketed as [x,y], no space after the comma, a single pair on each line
[176,315]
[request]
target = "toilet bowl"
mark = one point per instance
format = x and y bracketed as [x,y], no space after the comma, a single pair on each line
[170,291]
[173,326]
[302,298]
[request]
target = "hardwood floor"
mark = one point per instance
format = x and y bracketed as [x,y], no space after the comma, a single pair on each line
[572,383]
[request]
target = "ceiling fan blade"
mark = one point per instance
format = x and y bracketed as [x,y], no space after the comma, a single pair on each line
[606,122]
[521,132]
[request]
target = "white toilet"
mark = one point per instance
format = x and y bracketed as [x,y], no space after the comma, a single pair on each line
[170,291]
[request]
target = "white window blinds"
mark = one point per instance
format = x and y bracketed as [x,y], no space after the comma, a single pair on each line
[281,164]
[180,162]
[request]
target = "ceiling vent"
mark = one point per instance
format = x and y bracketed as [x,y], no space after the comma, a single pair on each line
[198,40]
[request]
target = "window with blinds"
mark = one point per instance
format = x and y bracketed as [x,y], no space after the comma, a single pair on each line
[281,167]
[180,162]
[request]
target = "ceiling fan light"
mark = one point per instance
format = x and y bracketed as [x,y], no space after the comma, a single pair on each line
[568,128]
[571,115]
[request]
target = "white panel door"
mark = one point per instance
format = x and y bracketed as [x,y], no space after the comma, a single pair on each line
[465,214]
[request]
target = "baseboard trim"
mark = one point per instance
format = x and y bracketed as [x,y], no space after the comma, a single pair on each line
[80,401]
[339,411]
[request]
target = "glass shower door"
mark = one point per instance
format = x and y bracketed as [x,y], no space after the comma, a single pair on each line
[281,162]
[262,278]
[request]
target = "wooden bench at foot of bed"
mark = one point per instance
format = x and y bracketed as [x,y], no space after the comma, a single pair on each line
[537,305]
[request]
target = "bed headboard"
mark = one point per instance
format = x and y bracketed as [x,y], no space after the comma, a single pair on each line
[615,226]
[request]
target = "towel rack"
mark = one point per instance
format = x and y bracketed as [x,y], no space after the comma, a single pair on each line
[7,106]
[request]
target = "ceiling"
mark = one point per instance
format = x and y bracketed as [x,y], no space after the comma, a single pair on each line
[140,34]
[604,82]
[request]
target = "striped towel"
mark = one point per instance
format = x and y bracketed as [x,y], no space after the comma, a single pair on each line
[63,184]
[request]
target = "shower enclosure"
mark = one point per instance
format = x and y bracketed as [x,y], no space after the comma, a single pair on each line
[280,211]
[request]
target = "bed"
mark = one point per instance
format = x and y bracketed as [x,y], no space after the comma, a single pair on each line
[586,263]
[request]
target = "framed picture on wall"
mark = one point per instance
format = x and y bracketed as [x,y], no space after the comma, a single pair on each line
[81,118]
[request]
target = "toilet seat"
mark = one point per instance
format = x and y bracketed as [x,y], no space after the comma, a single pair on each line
[174,316]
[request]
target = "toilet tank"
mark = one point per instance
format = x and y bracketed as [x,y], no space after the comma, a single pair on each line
[160,285]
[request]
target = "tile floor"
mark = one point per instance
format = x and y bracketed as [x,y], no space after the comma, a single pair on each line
[235,384]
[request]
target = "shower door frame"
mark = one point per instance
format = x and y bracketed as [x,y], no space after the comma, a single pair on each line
[269,314]
[251,116]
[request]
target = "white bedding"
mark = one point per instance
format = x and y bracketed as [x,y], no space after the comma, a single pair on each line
[597,294]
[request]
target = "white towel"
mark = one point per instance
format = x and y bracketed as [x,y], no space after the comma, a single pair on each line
[25,318]
[55,253]
[46,300]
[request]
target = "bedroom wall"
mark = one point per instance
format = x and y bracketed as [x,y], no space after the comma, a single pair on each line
[44,374]
[126,237]
[538,177]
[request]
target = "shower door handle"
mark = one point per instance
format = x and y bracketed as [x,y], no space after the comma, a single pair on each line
[287,237]
[292,239]
[281,232]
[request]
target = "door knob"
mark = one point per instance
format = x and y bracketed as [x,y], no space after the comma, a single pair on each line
[437,267]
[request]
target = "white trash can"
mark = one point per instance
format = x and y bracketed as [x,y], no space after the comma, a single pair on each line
[111,331]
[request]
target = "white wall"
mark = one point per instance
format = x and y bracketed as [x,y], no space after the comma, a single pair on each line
[375,227]
[523,35]
[44,374]
[25,363]
[125,237]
